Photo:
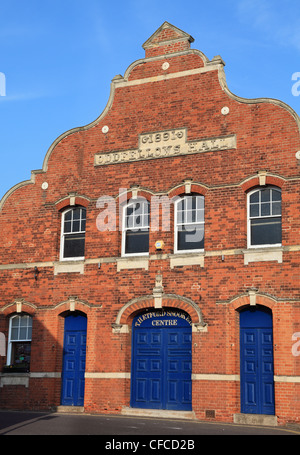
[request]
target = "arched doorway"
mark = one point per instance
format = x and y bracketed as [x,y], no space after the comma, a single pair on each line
[74,354]
[256,361]
[162,360]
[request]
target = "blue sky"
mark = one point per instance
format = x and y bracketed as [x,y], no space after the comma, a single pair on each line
[57,59]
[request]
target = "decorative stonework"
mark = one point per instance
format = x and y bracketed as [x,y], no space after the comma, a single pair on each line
[165,144]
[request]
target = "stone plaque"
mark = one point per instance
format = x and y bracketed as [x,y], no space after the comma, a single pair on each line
[165,144]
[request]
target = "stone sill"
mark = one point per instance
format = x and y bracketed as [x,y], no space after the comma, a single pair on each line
[134,262]
[69,267]
[14,379]
[23,378]
[179,260]
[263,255]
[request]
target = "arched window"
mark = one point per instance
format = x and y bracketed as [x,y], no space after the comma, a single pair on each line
[189,224]
[73,233]
[136,224]
[264,217]
[19,342]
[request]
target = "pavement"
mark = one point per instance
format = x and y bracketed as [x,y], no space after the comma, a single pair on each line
[114,428]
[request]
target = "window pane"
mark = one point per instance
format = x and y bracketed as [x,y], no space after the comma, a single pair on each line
[200,215]
[276,208]
[266,231]
[67,226]
[130,210]
[137,215]
[74,220]
[82,227]
[21,327]
[14,333]
[76,225]
[129,221]
[265,195]
[200,202]
[146,220]
[254,210]
[190,216]
[23,333]
[265,209]
[15,322]
[180,205]
[180,216]
[21,355]
[254,197]
[29,333]
[76,214]
[188,202]
[74,245]
[276,195]
[137,241]
[68,215]
[190,237]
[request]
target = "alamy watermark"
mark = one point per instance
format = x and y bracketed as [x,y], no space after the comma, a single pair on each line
[2,84]
[296,346]
[136,215]
[296,85]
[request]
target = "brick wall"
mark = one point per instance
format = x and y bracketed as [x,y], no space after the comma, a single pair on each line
[190,93]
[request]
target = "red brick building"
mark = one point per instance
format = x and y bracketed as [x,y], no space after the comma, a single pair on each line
[153,263]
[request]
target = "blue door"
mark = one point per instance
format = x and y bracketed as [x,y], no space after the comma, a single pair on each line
[162,361]
[257,370]
[74,354]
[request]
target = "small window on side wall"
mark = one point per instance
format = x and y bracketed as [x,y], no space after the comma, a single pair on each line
[189,224]
[264,217]
[136,224]
[73,233]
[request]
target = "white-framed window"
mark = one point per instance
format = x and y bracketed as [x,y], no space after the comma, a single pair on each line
[189,224]
[136,226]
[19,342]
[73,233]
[264,217]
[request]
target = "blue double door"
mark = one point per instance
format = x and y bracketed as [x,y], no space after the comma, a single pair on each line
[162,361]
[257,370]
[74,355]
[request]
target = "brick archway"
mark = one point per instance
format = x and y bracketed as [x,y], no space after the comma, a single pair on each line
[253,298]
[130,309]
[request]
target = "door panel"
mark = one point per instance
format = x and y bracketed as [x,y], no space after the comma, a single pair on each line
[161,368]
[257,371]
[74,354]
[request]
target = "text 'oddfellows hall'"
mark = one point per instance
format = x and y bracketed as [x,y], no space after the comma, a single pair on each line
[157,265]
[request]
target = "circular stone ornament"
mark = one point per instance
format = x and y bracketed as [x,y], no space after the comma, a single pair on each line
[225,110]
